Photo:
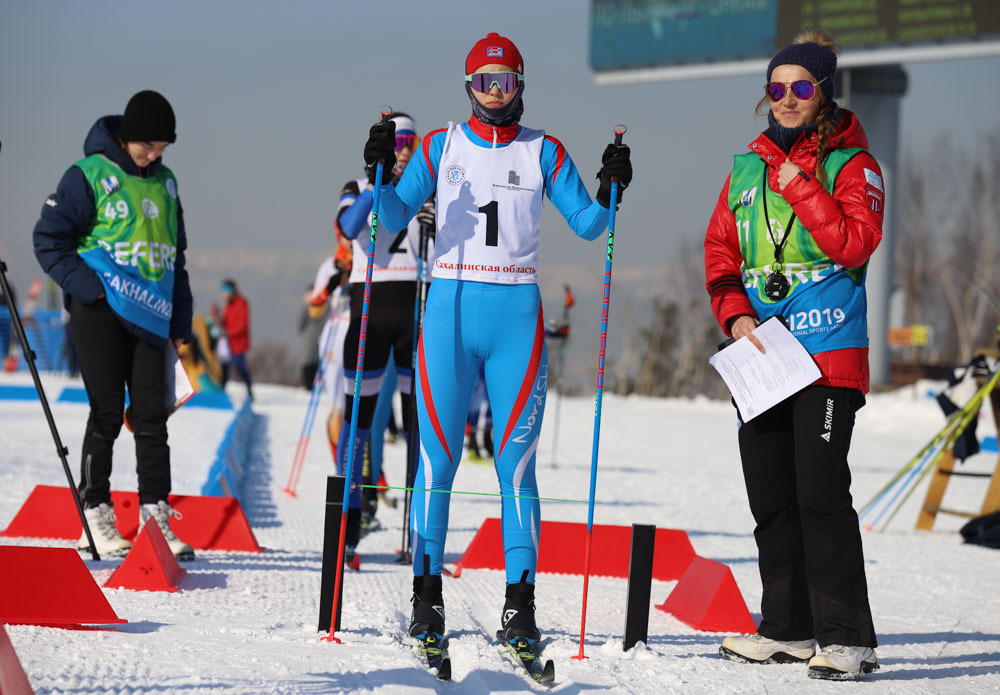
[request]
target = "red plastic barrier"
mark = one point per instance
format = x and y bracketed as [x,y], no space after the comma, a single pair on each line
[707,598]
[562,547]
[12,678]
[149,565]
[206,523]
[50,586]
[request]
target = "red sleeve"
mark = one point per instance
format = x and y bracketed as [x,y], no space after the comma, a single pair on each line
[847,226]
[236,319]
[723,261]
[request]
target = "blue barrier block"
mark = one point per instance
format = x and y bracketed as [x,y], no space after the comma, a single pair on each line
[989,444]
[202,399]
[18,393]
[226,475]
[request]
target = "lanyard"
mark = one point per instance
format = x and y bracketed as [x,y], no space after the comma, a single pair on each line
[779,247]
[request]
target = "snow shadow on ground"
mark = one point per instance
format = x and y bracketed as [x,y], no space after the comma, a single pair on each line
[256,496]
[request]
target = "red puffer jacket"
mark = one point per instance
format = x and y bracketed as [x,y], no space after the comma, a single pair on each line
[847,227]
[236,319]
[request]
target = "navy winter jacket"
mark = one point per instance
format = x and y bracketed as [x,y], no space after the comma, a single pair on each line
[66,216]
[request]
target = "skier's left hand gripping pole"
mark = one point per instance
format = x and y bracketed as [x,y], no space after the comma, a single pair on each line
[605,310]
[376,186]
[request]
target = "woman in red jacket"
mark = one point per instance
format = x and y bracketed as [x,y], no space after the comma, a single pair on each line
[236,322]
[791,235]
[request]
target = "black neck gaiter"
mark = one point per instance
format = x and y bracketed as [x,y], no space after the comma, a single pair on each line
[505,115]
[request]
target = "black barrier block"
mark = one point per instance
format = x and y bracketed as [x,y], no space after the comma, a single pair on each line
[331,544]
[640,579]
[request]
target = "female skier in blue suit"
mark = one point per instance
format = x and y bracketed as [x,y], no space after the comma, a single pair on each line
[489,175]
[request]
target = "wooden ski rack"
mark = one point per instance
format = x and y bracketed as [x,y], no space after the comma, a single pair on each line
[946,470]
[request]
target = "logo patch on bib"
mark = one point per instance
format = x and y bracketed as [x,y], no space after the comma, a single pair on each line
[454,175]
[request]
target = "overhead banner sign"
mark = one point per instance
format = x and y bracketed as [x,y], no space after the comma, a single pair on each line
[679,35]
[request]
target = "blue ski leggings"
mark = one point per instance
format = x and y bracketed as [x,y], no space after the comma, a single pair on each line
[503,326]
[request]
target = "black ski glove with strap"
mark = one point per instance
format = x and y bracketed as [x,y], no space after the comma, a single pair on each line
[614,162]
[381,145]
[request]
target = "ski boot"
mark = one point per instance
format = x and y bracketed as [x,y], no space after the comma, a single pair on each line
[518,617]
[428,605]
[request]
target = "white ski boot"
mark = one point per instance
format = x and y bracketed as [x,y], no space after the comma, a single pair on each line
[107,540]
[162,512]
[757,649]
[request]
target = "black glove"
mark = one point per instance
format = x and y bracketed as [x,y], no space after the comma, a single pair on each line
[381,145]
[614,162]
[425,216]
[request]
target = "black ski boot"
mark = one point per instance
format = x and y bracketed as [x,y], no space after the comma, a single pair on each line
[518,617]
[428,605]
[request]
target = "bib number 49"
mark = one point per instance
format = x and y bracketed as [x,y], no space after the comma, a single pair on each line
[119,209]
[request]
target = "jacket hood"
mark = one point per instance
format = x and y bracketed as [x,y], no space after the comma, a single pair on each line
[101,140]
[849,133]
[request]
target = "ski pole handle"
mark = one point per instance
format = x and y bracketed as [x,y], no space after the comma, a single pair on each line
[620,130]
[384,112]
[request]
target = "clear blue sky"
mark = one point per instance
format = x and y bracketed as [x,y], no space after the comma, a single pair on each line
[273,103]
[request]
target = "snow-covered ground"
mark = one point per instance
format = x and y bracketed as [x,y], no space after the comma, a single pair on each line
[246,623]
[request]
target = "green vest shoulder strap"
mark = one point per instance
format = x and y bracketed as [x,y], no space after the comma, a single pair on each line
[748,170]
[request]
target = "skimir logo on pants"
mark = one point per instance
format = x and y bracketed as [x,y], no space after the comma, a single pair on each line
[828,420]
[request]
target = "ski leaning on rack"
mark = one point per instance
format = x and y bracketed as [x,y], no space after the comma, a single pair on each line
[435,654]
[529,656]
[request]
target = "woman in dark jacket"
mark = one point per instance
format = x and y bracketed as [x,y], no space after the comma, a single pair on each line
[112,236]
[791,235]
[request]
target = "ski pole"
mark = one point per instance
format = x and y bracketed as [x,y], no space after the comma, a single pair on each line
[376,186]
[917,460]
[62,451]
[955,434]
[413,436]
[619,131]
[314,397]
[943,435]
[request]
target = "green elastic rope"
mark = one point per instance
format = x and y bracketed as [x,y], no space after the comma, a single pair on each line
[484,494]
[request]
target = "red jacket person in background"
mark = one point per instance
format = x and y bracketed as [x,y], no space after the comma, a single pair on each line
[236,323]
[791,235]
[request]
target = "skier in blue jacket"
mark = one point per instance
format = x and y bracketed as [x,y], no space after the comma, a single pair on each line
[489,175]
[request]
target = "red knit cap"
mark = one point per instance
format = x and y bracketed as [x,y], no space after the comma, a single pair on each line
[494,49]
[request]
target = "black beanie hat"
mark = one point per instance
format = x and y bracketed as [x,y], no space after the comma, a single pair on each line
[148,117]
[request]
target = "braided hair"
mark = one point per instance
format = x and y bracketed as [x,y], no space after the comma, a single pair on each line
[827,119]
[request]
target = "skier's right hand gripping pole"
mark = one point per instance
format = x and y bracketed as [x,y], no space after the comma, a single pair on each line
[616,167]
[616,173]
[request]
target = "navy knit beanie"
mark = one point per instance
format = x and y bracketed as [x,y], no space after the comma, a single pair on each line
[821,62]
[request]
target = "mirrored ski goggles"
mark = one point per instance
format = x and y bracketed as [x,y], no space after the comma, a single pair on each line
[802,89]
[484,81]
[406,140]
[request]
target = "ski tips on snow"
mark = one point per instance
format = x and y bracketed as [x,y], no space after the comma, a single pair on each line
[528,653]
[434,649]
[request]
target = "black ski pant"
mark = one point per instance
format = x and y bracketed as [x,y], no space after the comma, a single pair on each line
[111,358]
[808,539]
[389,328]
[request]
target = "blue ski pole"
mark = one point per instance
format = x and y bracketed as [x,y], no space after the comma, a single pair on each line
[376,185]
[619,131]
